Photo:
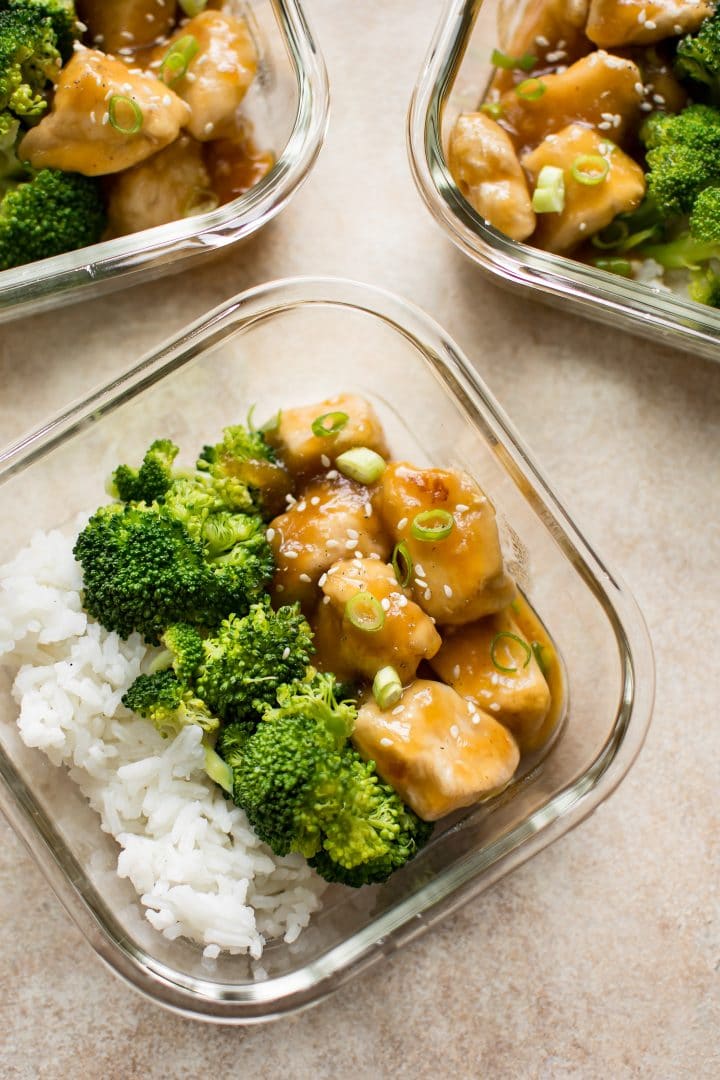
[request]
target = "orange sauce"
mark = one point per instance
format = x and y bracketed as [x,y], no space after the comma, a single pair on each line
[235,165]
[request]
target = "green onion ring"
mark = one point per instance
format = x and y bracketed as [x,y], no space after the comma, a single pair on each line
[590,169]
[121,99]
[530,89]
[402,558]
[611,236]
[177,59]
[191,8]
[320,427]
[423,528]
[493,109]
[364,612]
[361,464]
[538,652]
[387,688]
[513,637]
[621,267]
[512,63]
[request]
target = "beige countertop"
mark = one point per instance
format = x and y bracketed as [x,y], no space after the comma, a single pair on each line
[600,957]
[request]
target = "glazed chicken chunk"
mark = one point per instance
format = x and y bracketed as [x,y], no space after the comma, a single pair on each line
[599,89]
[485,165]
[218,75]
[167,187]
[332,520]
[348,421]
[367,622]
[437,750]
[116,25]
[103,118]
[448,528]
[588,207]
[643,22]
[488,664]
[538,28]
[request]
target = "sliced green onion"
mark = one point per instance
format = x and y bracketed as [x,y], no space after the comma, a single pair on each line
[329,423]
[611,236]
[200,201]
[512,63]
[120,101]
[361,464]
[402,564]
[273,424]
[590,169]
[539,653]
[614,266]
[530,89]
[493,109]
[549,194]
[193,7]
[432,525]
[519,641]
[177,59]
[387,688]
[365,612]
[218,770]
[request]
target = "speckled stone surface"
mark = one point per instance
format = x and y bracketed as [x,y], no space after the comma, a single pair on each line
[599,958]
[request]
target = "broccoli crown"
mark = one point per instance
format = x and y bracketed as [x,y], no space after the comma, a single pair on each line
[244,469]
[305,789]
[247,659]
[683,157]
[704,287]
[185,646]
[168,705]
[151,480]
[35,37]
[143,571]
[48,214]
[698,57]
[705,218]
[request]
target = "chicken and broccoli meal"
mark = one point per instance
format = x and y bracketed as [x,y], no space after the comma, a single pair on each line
[278,666]
[116,117]
[599,137]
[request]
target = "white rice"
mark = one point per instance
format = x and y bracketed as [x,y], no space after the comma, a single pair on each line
[193,859]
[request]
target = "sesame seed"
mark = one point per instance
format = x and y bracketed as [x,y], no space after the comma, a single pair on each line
[606,125]
[456,671]
[368,509]
[427,594]
[403,601]
[461,507]
[385,603]
[476,719]
[352,533]
[322,580]
[454,731]
[325,461]
[315,501]
[447,590]
[350,544]
[326,599]
[397,710]
[358,554]
[542,41]
[650,24]
[290,554]
[333,474]
[494,706]
[332,543]
[286,652]
[270,535]
[306,578]
[402,523]
[386,742]
[486,693]
[419,570]
[301,507]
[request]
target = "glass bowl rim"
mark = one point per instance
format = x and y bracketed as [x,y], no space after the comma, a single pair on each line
[257,1002]
[553,276]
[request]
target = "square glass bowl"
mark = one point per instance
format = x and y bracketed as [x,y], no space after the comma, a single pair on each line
[287,343]
[454,80]
[287,106]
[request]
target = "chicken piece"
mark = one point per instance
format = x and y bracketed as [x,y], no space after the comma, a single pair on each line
[588,207]
[521,699]
[217,76]
[305,453]
[168,186]
[461,577]
[405,635]
[333,519]
[483,162]
[551,30]
[92,95]
[599,89]
[438,751]
[642,22]
[127,24]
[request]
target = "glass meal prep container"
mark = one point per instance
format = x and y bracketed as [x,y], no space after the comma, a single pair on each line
[435,410]
[454,79]
[287,106]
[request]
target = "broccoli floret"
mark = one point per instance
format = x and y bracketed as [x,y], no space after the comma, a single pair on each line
[704,287]
[247,659]
[47,214]
[705,218]
[143,571]
[184,647]
[152,480]
[168,705]
[683,157]
[245,470]
[698,58]
[305,789]
[35,37]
